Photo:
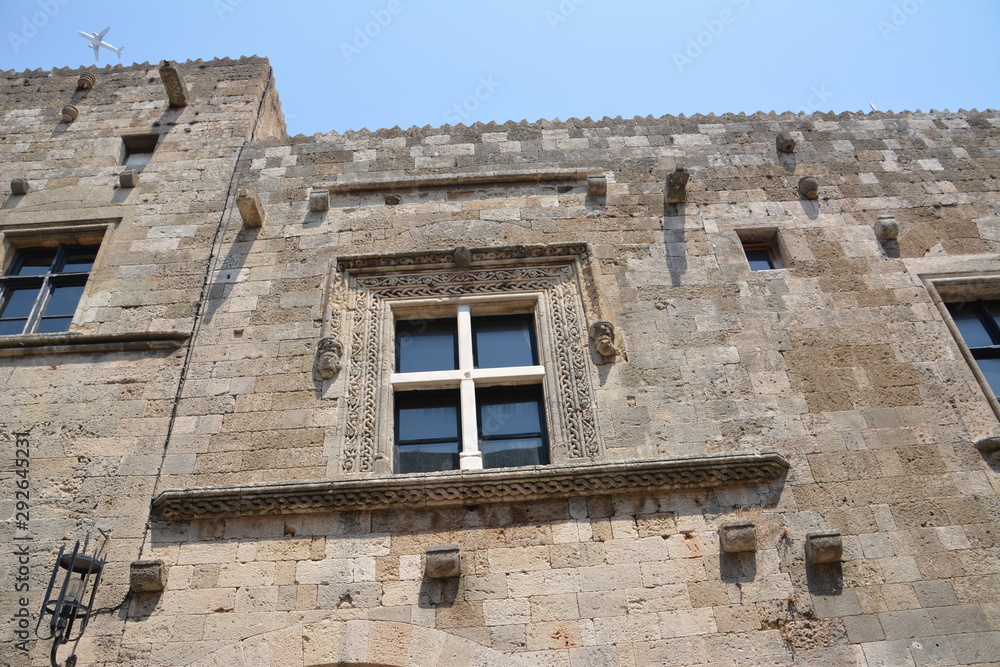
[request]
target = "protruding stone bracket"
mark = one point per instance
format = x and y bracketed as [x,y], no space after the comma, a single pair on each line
[676,192]
[328,355]
[319,200]
[19,186]
[147,576]
[172,81]
[443,562]
[463,257]
[128,178]
[69,113]
[86,81]
[602,333]
[809,187]
[738,536]
[990,448]
[886,228]
[784,142]
[250,208]
[824,547]
[597,185]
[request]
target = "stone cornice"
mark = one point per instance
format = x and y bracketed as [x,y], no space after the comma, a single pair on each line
[437,180]
[431,490]
[427,259]
[89,343]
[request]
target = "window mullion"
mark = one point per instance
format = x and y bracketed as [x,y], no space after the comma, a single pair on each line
[470,457]
[44,294]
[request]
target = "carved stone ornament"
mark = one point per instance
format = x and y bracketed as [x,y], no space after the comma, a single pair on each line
[549,271]
[19,186]
[86,81]
[328,355]
[738,536]
[602,333]
[990,448]
[809,187]
[319,200]
[172,81]
[442,562]
[677,185]
[784,142]
[69,113]
[464,487]
[147,576]
[824,547]
[886,228]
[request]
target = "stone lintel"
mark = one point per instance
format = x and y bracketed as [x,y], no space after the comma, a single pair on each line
[430,258]
[478,178]
[467,487]
[87,343]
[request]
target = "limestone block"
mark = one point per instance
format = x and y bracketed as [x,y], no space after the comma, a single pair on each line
[251,210]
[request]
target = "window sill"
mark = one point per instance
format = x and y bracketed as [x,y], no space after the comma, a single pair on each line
[460,487]
[24,345]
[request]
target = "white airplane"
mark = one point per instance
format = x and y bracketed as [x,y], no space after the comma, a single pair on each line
[96,42]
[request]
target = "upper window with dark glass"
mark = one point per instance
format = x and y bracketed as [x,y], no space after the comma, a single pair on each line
[468,393]
[979,324]
[42,287]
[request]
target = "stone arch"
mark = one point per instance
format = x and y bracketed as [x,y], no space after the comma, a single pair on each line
[361,643]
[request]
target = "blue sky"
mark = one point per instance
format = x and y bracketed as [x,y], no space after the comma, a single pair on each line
[348,65]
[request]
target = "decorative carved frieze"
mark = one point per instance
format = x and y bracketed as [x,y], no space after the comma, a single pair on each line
[464,487]
[551,271]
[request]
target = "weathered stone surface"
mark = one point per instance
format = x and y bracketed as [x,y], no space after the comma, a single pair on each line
[190,374]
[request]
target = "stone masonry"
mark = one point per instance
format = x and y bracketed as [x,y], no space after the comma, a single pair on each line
[222,400]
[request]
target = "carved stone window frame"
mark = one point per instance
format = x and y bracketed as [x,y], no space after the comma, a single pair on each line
[950,288]
[555,278]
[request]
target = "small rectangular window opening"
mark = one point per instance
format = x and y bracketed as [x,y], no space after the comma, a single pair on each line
[761,249]
[137,150]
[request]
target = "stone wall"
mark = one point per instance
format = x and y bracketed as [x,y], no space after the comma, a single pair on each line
[842,362]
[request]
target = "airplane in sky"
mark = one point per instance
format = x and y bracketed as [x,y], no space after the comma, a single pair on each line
[96,42]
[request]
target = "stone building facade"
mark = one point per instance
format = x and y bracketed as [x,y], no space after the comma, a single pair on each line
[732,418]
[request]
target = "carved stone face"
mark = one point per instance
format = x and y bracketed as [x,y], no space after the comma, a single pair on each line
[603,335]
[328,358]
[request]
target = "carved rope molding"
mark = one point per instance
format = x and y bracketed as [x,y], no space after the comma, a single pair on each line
[550,269]
[464,487]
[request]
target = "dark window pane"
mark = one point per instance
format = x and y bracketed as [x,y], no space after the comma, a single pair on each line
[428,457]
[63,301]
[504,341]
[993,308]
[34,263]
[514,452]
[509,418]
[991,370]
[79,258]
[53,324]
[971,327]
[759,259]
[426,416]
[11,327]
[425,345]
[20,302]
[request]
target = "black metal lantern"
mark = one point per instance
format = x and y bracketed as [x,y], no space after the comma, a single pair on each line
[73,600]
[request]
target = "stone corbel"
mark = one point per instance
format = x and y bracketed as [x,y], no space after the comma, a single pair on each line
[172,81]
[250,208]
[602,333]
[677,185]
[328,355]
